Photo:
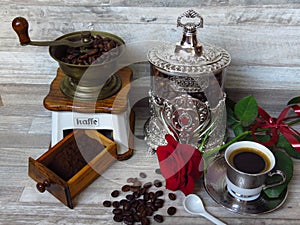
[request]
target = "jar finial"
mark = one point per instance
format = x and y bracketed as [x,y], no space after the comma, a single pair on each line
[189,43]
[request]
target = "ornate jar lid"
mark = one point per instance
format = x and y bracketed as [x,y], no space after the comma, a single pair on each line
[189,56]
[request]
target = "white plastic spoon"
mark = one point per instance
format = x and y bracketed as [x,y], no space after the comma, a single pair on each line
[193,205]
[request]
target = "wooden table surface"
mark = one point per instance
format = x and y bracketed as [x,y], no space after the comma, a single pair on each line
[25,131]
[261,36]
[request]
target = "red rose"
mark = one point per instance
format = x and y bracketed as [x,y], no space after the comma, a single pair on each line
[179,164]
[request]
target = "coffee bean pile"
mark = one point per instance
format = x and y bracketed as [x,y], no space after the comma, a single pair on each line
[140,203]
[103,47]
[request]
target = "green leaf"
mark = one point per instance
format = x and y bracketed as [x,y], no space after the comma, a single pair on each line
[246,110]
[283,143]
[285,164]
[230,117]
[293,101]
[260,138]
[237,129]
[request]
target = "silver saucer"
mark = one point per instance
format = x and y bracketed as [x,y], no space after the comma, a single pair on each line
[215,186]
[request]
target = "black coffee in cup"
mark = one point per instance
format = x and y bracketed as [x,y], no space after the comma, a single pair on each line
[248,165]
[249,160]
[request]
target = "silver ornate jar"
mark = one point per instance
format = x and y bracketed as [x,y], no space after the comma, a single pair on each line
[187,98]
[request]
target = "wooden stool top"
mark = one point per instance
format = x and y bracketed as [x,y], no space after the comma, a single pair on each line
[57,101]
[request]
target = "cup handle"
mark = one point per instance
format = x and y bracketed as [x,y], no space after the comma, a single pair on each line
[273,173]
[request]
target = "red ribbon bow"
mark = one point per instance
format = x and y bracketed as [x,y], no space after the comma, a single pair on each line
[277,125]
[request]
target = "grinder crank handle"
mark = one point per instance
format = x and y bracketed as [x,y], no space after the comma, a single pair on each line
[20,26]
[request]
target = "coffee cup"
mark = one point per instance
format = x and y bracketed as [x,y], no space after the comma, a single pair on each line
[248,165]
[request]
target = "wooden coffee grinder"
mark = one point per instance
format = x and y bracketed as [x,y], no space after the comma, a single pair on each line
[84,104]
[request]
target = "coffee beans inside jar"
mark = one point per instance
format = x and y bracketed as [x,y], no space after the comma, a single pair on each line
[140,202]
[102,49]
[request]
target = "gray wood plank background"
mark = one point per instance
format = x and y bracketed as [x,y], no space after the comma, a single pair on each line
[262,37]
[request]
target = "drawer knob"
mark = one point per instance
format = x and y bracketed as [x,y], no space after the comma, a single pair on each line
[42,186]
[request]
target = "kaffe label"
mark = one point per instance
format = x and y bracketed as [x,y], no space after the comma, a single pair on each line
[86,122]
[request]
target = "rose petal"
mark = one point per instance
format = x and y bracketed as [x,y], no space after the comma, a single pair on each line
[166,161]
[163,152]
[171,140]
[173,183]
[196,170]
[189,186]
[179,164]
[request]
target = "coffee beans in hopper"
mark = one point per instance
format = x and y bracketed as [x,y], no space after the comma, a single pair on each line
[102,49]
[139,203]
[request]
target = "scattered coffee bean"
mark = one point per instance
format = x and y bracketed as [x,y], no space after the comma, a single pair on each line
[143,175]
[157,171]
[136,194]
[149,211]
[159,203]
[123,201]
[159,193]
[126,206]
[148,185]
[151,195]
[116,204]
[143,190]
[134,188]
[145,221]
[137,183]
[115,193]
[131,180]
[117,211]
[136,218]
[126,188]
[172,196]
[146,196]
[118,218]
[140,203]
[107,203]
[157,183]
[129,197]
[158,218]
[171,210]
